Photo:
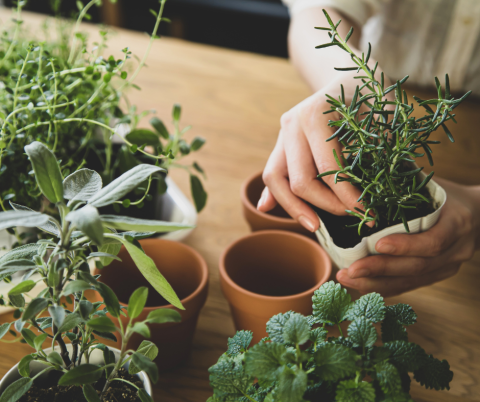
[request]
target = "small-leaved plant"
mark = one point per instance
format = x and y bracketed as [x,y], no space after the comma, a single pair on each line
[61,263]
[381,139]
[300,362]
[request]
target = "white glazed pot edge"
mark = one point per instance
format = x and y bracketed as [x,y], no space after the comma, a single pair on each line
[344,257]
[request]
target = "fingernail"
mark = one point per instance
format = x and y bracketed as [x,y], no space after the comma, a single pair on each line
[261,201]
[306,223]
[360,273]
[385,248]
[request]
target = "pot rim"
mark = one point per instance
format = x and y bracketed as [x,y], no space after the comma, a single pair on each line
[246,202]
[203,267]
[224,275]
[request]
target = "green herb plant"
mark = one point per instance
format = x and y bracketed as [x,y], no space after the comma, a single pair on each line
[61,263]
[299,362]
[72,98]
[381,139]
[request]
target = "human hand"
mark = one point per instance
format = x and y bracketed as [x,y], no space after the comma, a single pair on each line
[410,261]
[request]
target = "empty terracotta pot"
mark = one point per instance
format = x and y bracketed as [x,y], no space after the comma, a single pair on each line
[276,219]
[270,272]
[187,272]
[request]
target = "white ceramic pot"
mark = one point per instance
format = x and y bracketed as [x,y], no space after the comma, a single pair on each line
[344,257]
[96,358]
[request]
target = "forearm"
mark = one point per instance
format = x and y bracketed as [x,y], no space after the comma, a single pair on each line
[474,192]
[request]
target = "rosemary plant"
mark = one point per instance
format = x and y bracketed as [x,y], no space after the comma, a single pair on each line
[61,264]
[381,143]
[73,99]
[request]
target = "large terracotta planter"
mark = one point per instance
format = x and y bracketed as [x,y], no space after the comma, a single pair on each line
[95,358]
[276,219]
[270,272]
[187,272]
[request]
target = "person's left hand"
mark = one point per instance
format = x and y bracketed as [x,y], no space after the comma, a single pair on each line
[410,261]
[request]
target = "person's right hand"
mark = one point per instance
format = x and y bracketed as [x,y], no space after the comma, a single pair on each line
[301,153]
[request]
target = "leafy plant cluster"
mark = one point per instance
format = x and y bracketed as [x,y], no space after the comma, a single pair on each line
[300,362]
[61,262]
[382,139]
[73,99]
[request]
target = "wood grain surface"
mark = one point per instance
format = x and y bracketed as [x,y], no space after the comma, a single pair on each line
[235,100]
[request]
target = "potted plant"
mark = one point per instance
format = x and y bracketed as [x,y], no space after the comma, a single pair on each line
[300,362]
[73,98]
[381,140]
[60,262]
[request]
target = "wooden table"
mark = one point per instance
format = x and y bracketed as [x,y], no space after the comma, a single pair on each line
[235,101]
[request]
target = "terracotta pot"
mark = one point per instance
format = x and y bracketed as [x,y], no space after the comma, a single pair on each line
[95,358]
[187,272]
[270,272]
[276,219]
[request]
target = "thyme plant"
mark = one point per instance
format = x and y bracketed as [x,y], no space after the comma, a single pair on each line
[299,362]
[60,262]
[382,139]
[73,99]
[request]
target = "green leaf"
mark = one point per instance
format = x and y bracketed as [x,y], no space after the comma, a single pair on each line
[90,393]
[55,358]
[291,385]
[143,395]
[159,127]
[239,343]
[24,365]
[177,110]
[142,329]
[434,374]
[110,299]
[331,303]
[163,315]
[296,330]
[350,391]
[147,349]
[16,265]
[47,171]
[29,336]
[388,378]
[58,315]
[22,287]
[102,324]
[81,185]
[17,301]
[141,225]
[75,287]
[145,364]
[403,313]
[275,326]
[335,362]
[123,185]
[38,342]
[137,302]
[142,137]
[392,330]
[362,333]
[11,219]
[198,193]
[70,322]
[197,143]
[84,374]
[4,328]
[34,307]
[48,227]
[229,380]
[87,219]
[371,306]
[264,360]
[16,390]
[406,356]
[109,248]
[27,252]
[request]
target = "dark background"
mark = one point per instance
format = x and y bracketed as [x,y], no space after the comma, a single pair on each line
[253,25]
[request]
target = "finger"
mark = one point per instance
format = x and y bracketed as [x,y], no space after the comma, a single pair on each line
[267,201]
[275,178]
[392,286]
[302,172]
[431,243]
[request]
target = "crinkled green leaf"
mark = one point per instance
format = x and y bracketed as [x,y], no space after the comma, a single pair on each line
[362,333]
[406,356]
[434,374]
[263,360]
[370,306]
[229,379]
[388,378]
[403,313]
[331,303]
[275,326]
[350,391]
[334,362]
[291,385]
[296,329]
[239,343]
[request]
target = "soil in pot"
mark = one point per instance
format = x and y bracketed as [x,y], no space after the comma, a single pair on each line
[348,237]
[47,390]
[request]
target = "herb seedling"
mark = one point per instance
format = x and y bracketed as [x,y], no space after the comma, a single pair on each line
[382,143]
[299,362]
[61,263]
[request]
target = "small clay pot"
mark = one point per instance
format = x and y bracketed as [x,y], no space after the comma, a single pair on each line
[270,272]
[187,273]
[276,219]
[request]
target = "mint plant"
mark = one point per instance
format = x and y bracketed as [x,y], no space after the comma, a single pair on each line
[299,361]
[73,98]
[61,262]
[381,139]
